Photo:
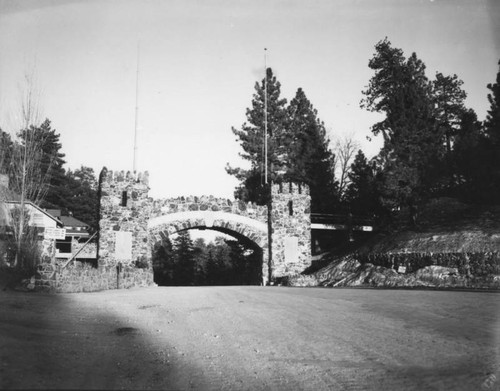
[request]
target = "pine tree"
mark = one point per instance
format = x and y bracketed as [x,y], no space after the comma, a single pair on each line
[51,162]
[183,259]
[468,158]
[449,106]
[492,122]
[413,150]
[163,262]
[361,194]
[212,270]
[491,143]
[6,151]
[251,138]
[83,201]
[309,159]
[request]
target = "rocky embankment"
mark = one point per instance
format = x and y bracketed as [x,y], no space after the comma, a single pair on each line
[457,245]
[347,271]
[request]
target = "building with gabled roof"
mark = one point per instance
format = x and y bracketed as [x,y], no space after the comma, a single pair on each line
[75,232]
[74,227]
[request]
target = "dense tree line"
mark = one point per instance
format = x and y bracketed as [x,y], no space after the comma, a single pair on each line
[47,183]
[434,145]
[225,262]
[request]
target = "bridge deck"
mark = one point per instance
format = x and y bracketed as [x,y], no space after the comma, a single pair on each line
[341,222]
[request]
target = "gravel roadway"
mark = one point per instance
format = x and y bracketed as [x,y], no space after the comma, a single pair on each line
[251,338]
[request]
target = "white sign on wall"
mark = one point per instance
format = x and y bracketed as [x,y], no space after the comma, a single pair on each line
[291,249]
[123,246]
[54,233]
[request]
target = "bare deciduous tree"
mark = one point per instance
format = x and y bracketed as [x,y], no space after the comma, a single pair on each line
[21,163]
[345,150]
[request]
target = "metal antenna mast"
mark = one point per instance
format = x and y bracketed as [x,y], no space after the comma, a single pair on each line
[265,115]
[136,108]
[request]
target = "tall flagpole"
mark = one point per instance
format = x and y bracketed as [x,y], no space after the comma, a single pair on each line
[136,108]
[265,116]
[267,187]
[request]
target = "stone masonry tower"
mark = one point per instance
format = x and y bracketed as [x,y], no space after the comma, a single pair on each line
[291,226]
[123,236]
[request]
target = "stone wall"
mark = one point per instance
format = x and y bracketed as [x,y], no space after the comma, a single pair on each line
[87,252]
[208,203]
[84,277]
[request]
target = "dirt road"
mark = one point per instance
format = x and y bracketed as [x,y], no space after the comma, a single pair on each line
[251,338]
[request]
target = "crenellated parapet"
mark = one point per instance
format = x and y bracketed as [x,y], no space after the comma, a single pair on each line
[290,188]
[124,176]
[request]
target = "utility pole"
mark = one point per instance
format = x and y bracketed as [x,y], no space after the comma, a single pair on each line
[265,116]
[134,166]
[266,184]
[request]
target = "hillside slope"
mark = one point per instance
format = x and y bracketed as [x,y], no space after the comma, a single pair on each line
[455,245]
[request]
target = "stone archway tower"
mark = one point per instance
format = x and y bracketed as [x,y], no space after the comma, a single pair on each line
[125,210]
[291,229]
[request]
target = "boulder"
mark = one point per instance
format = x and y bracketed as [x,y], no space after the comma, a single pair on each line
[337,270]
[440,276]
[436,272]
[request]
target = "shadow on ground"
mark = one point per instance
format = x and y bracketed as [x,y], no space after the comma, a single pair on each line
[72,341]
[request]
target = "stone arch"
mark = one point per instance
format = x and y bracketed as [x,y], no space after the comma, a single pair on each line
[243,228]
[130,225]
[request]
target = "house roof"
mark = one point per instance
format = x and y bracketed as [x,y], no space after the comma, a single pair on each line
[58,222]
[70,221]
[54,212]
[73,226]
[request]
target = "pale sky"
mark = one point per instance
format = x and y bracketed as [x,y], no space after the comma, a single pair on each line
[199,61]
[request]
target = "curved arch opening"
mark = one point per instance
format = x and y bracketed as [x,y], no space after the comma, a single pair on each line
[229,259]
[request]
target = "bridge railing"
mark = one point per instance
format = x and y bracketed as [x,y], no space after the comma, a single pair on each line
[346,219]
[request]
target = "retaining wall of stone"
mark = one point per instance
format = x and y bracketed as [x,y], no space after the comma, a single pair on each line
[83,277]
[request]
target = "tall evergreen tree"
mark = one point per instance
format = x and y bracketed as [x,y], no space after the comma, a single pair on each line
[468,158]
[449,110]
[449,106]
[163,262]
[251,138]
[82,202]
[51,162]
[6,151]
[413,148]
[361,194]
[492,122]
[183,259]
[309,159]
[491,143]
